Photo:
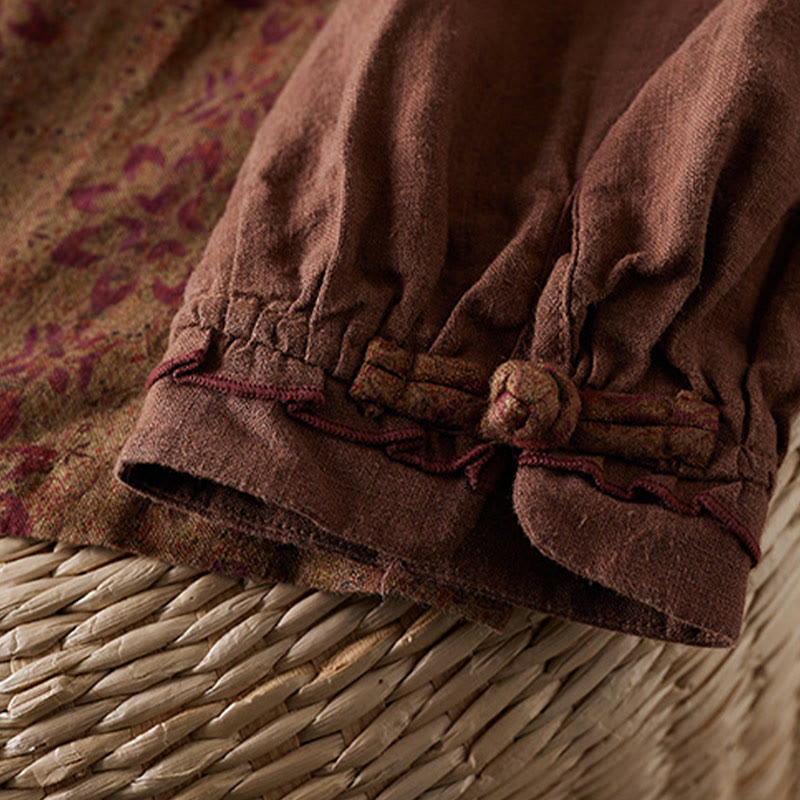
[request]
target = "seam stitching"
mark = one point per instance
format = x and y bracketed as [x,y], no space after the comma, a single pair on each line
[402,444]
[703,500]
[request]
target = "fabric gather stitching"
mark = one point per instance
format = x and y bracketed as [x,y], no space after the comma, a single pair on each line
[702,501]
[300,402]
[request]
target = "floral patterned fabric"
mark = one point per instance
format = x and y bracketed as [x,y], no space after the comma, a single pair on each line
[123,126]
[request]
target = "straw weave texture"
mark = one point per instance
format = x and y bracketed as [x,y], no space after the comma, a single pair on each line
[124,677]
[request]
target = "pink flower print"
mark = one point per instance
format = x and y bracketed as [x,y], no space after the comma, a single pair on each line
[14,519]
[170,295]
[208,153]
[57,356]
[209,94]
[268,91]
[135,228]
[272,31]
[70,252]
[157,203]
[140,154]
[9,413]
[86,365]
[35,459]
[37,28]
[53,336]
[167,247]
[104,294]
[187,216]
[58,380]
[84,197]
[248,119]
[222,99]
[29,345]
[20,363]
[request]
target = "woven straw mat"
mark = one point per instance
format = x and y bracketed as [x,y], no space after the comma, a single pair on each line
[125,677]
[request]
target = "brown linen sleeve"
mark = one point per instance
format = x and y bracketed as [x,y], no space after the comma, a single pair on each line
[683,274]
[444,189]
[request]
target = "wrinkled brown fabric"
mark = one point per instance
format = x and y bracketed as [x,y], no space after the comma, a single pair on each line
[608,189]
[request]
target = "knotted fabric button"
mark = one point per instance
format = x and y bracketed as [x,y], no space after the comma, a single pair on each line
[532,405]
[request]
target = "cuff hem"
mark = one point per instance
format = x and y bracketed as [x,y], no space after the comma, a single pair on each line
[232,453]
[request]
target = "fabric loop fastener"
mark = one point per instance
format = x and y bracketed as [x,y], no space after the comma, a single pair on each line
[535,406]
[531,405]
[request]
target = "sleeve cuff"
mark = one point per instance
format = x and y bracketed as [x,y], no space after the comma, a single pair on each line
[222,434]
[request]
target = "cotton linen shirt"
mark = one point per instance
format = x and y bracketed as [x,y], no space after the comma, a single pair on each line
[504,304]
